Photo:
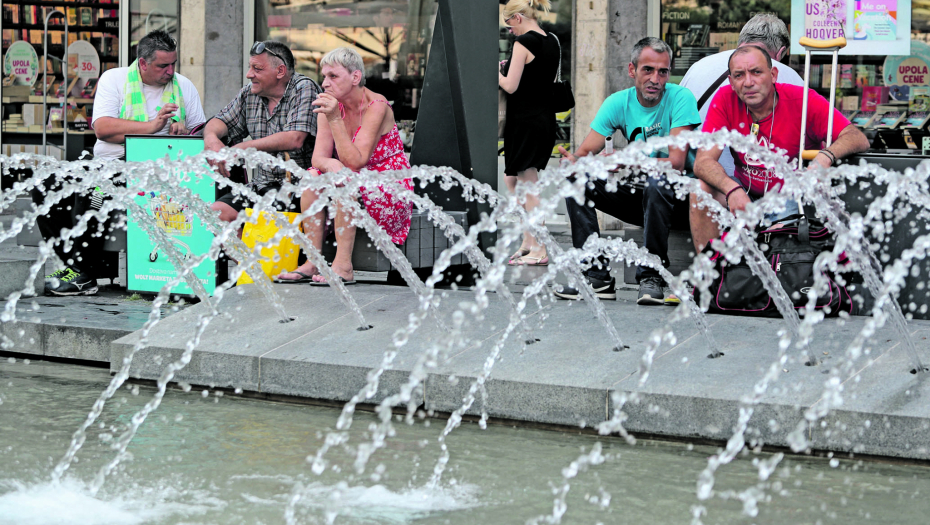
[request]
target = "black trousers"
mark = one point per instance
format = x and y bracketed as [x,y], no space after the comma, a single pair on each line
[85,252]
[654,207]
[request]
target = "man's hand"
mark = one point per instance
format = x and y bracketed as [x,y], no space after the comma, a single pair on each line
[567,155]
[738,200]
[820,160]
[164,115]
[178,128]
[213,143]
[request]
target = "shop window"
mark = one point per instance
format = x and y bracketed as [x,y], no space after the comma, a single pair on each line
[393,37]
[146,16]
[559,22]
[867,86]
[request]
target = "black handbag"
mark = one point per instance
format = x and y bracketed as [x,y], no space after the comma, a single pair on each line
[791,247]
[562,97]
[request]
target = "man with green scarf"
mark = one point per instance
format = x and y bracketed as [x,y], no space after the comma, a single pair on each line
[146,98]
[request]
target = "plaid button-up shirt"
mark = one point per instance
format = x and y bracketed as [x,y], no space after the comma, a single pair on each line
[247,115]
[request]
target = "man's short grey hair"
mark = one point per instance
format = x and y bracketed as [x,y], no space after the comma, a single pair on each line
[656,44]
[347,58]
[768,30]
[278,52]
[155,41]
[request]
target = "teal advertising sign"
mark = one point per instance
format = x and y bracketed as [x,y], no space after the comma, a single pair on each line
[147,265]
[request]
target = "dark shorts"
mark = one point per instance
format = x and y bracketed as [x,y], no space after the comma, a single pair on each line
[240,202]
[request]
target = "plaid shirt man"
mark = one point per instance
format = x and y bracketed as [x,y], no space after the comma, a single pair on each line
[247,115]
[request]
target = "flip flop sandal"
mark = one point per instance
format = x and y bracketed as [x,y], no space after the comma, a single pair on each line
[516,255]
[326,283]
[304,278]
[536,261]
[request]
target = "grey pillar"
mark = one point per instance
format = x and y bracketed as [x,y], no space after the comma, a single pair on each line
[222,53]
[457,119]
[627,26]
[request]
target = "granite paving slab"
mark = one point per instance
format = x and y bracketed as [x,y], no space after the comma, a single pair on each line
[77,327]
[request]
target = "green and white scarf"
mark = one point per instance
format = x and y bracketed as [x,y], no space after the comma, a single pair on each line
[134,101]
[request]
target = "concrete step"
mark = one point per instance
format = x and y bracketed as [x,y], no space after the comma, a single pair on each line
[29,236]
[14,273]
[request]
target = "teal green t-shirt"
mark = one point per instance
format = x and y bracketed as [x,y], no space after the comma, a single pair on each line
[623,112]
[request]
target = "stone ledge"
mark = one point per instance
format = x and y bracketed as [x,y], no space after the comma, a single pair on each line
[566,378]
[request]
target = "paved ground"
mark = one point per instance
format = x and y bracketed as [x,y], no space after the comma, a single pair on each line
[570,376]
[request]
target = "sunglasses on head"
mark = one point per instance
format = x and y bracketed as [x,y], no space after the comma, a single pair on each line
[259,48]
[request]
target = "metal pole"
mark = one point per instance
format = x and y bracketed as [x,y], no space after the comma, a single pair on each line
[64,69]
[45,81]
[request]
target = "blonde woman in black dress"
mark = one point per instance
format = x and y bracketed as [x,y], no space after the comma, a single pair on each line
[529,133]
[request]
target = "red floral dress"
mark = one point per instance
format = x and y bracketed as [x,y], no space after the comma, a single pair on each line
[391,214]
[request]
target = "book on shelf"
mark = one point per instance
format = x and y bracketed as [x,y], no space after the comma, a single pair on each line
[90,88]
[10,15]
[872,96]
[87,16]
[827,76]
[846,76]
[849,102]
[816,75]
[55,118]
[865,75]
[919,99]
[863,118]
[890,118]
[916,119]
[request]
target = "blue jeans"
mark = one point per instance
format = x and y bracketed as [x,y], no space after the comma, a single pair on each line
[654,207]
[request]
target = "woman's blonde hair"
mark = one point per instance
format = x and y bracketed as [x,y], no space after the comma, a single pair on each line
[347,58]
[527,8]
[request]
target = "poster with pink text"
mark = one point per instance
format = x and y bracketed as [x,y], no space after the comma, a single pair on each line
[871,27]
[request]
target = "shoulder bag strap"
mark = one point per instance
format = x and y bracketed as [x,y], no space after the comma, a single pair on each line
[713,87]
[558,74]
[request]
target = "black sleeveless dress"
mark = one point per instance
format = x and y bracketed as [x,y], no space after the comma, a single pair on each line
[529,134]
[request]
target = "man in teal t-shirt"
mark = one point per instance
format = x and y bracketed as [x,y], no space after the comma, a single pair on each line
[651,108]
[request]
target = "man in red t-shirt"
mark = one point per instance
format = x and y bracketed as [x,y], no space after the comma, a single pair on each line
[753,104]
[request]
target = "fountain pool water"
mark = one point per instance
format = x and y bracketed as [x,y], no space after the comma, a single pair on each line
[219,460]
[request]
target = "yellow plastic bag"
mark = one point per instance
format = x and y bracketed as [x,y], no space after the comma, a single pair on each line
[286,251]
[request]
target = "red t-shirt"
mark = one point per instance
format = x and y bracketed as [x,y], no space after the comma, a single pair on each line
[781,129]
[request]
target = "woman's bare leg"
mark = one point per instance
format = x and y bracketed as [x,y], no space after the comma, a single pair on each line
[313,228]
[536,250]
[345,243]
[511,182]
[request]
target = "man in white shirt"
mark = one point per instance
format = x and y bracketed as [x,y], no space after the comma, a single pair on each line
[164,103]
[112,119]
[710,73]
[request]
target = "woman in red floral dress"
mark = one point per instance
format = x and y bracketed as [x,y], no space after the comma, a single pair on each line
[355,130]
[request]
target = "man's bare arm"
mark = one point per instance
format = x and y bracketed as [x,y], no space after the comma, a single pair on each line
[677,156]
[114,130]
[280,141]
[849,142]
[213,134]
[707,167]
[593,143]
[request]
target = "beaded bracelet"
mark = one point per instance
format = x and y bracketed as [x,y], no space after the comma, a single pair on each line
[830,155]
[730,193]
